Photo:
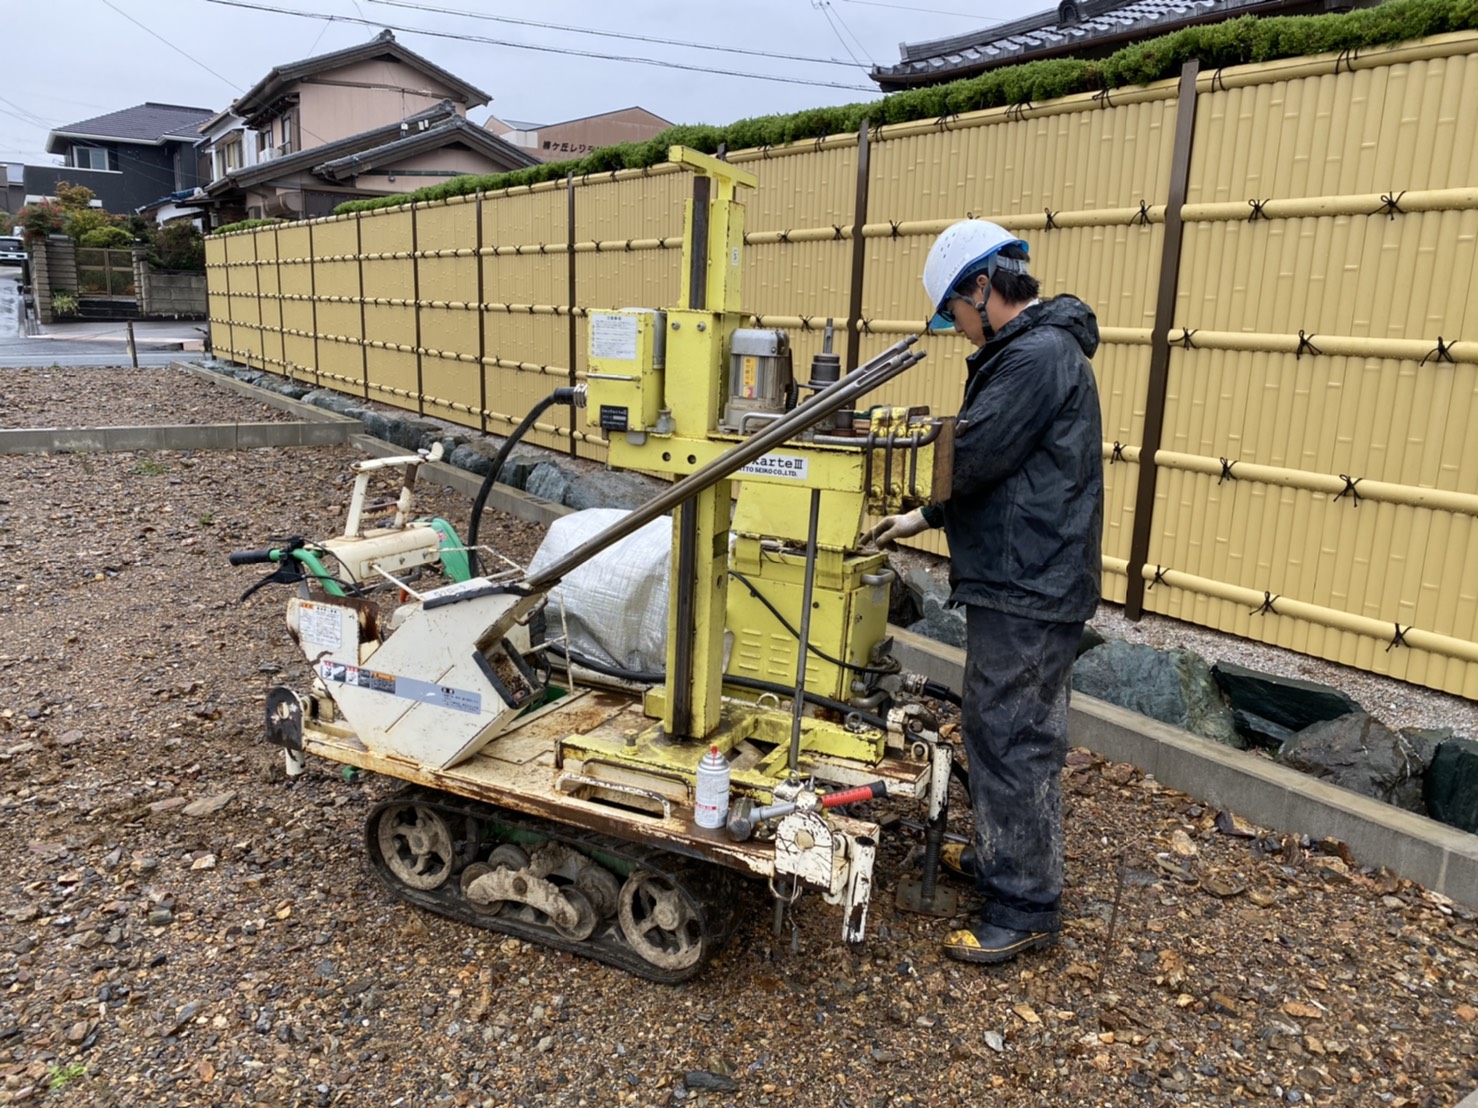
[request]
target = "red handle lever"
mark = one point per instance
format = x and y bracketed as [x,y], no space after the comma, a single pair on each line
[852,796]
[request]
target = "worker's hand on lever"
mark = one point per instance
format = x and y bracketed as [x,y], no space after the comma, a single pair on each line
[893,529]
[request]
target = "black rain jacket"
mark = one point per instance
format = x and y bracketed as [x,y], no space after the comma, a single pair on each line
[1025,513]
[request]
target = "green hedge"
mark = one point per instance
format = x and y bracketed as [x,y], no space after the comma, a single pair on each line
[247,224]
[1240,41]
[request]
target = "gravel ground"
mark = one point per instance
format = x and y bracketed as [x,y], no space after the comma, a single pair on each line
[119,396]
[246,955]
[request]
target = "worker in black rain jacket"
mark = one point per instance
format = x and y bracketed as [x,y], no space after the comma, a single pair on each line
[1024,519]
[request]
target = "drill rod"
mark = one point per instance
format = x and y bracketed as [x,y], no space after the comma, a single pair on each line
[798,704]
[887,365]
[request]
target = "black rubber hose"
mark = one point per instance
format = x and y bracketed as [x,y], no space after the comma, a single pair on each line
[812,647]
[563,395]
[743,682]
[942,692]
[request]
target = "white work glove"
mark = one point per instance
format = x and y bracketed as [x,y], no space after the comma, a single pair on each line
[893,529]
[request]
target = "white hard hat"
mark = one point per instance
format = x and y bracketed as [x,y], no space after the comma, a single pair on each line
[971,244]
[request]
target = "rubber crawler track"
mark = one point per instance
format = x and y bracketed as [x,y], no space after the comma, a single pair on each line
[714,894]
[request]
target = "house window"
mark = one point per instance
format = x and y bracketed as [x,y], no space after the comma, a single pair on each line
[264,141]
[229,156]
[89,157]
[289,129]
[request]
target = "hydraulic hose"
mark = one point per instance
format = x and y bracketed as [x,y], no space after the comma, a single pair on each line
[562,395]
[652,678]
[942,692]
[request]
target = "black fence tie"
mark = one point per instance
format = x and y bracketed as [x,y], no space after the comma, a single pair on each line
[1399,638]
[531,312]
[1266,606]
[785,236]
[1018,111]
[1257,212]
[507,307]
[628,246]
[1390,205]
[518,251]
[1103,98]
[1186,337]
[1051,219]
[820,139]
[746,238]
[585,178]
[1218,79]
[765,151]
[1143,215]
[837,227]
[597,246]
[866,326]
[895,224]
[1351,484]
[1443,353]
[541,248]
[1118,454]
[1348,56]
[1159,578]
[1306,345]
[943,121]
[805,323]
[1226,471]
[646,171]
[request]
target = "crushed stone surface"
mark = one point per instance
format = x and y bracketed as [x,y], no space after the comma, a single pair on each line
[244,954]
[120,396]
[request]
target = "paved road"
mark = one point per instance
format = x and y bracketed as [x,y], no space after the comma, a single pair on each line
[18,351]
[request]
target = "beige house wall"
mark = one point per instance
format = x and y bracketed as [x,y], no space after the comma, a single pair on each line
[571,139]
[1317,468]
[360,97]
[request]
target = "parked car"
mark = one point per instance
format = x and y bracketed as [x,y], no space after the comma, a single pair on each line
[12,251]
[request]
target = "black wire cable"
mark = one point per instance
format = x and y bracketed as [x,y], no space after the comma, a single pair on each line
[653,678]
[812,647]
[562,395]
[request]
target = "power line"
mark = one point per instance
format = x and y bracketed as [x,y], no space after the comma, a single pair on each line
[27,112]
[831,10]
[544,49]
[190,57]
[610,34]
[820,6]
[929,11]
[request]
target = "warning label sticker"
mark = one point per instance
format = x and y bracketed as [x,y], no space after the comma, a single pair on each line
[321,625]
[407,688]
[793,466]
[613,336]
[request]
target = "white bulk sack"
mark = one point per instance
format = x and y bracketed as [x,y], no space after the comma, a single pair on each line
[615,605]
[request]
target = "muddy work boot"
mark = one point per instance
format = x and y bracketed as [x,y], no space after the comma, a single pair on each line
[990,945]
[958,859]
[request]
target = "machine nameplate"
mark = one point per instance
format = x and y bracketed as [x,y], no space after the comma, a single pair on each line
[794,466]
[613,336]
[320,625]
[614,417]
[408,688]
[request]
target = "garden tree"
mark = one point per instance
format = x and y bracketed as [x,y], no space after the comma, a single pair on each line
[74,198]
[44,217]
[177,246]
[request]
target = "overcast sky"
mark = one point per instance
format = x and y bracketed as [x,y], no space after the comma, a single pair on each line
[64,63]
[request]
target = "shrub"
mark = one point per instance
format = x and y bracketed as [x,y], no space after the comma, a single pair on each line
[245,224]
[109,237]
[45,217]
[177,246]
[74,198]
[63,304]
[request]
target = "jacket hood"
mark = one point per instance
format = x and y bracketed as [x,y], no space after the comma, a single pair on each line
[1066,312]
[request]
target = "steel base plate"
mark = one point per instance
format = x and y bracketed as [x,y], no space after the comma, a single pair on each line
[911,899]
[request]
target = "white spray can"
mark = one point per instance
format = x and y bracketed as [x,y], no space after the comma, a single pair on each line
[711,801]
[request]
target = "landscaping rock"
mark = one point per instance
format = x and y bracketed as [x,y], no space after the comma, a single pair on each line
[1451,784]
[1286,702]
[1358,753]
[1091,637]
[549,481]
[935,621]
[1260,732]
[415,434]
[331,401]
[609,489]
[377,425]
[1172,686]
[474,457]
[293,390]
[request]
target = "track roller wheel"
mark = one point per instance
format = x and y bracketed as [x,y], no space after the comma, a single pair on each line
[416,844]
[658,922]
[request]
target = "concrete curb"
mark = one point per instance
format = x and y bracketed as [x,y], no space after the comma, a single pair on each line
[309,413]
[197,436]
[1436,856]
[1469,1101]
